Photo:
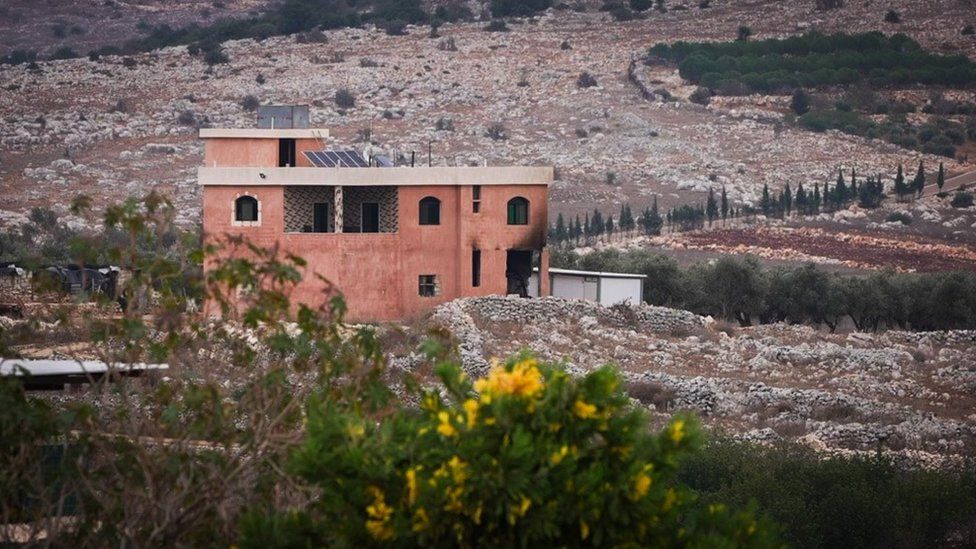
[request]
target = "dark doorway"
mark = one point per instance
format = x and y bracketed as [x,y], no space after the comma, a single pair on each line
[476,268]
[320,217]
[371,217]
[518,269]
[286,152]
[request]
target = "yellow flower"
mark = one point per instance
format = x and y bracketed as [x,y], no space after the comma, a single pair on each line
[677,430]
[355,430]
[412,485]
[523,380]
[445,427]
[379,513]
[518,510]
[584,529]
[584,410]
[471,409]
[670,498]
[454,499]
[420,520]
[459,469]
[641,486]
[557,457]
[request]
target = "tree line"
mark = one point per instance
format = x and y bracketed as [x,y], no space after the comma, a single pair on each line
[741,290]
[868,193]
[298,16]
[813,60]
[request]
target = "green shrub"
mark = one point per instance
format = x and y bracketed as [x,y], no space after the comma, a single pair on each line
[838,501]
[904,218]
[344,99]
[518,8]
[701,96]
[497,25]
[526,455]
[962,199]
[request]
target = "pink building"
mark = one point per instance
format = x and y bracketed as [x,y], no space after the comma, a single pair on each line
[396,241]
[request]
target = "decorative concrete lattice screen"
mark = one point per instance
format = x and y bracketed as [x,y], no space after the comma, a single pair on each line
[299,207]
[385,196]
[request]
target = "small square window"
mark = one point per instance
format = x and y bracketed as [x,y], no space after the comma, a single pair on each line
[428,286]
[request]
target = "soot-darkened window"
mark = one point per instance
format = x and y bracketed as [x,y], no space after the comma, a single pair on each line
[518,211]
[246,209]
[430,211]
[428,285]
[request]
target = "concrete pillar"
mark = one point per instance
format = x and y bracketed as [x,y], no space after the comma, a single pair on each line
[337,199]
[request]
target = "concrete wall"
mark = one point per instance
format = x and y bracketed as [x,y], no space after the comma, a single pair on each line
[607,291]
[378,273]
[254,153]
[615,290]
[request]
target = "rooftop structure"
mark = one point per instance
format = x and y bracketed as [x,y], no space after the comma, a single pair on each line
[395,240]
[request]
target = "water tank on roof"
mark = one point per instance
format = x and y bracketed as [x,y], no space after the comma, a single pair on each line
[283,117]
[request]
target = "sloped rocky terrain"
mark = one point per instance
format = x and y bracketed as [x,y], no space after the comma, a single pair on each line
[907,394]
[118,126]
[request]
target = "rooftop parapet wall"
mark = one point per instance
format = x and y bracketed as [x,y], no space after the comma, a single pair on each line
[440,175]
[263,133]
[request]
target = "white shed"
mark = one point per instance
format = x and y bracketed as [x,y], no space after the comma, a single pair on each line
[604,288]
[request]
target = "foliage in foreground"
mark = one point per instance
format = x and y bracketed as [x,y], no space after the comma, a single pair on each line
[840,501]
[299,439]
[525,456]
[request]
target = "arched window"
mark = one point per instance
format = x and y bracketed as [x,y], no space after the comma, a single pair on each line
[246,209]
[518,211]
[430,211]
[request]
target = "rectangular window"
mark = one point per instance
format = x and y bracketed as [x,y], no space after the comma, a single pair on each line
[428,285]
[320,217]
[476,198]
[371,217]
[286,152]
[476,268]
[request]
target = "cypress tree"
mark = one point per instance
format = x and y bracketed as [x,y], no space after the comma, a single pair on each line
[586,226]
[940,179]
[826,196]
[919,182]
[788,199]
[765,204]
[816,197]
[560,228]
[725,204]
[801,200]
[840,191]
[712,207]
[609,226]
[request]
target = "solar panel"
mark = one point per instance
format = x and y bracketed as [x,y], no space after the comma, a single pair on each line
[336,159]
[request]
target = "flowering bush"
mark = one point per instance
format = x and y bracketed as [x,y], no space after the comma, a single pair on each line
[524,456]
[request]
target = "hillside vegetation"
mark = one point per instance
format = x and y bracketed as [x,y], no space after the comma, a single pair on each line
[814,60]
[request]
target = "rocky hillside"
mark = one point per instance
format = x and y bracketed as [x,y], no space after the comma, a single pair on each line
[908,394]
[121,125]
